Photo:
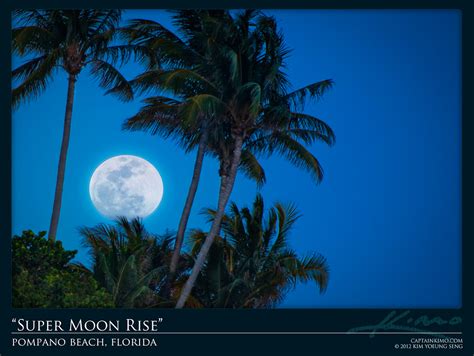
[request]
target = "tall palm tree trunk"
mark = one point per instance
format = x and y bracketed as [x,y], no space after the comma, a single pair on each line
[185,215]
[227,184]
[53,227]
[189,203]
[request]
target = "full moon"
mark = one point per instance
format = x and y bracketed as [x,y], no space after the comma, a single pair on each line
[126,186]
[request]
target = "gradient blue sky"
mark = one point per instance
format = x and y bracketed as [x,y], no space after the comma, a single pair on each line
[387,215]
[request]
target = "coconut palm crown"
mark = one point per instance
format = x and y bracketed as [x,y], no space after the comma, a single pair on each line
[227,85]
[129,262]
[250,95]
[251,264]
[68,40]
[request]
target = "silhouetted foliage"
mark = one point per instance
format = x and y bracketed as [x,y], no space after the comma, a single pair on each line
[68,40]
[130,263]
[44,277]
[251,265]
[219,85]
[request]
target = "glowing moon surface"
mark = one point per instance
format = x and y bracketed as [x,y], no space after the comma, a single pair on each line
[126,186]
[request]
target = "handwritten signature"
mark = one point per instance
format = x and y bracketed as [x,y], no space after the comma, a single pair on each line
[405,322]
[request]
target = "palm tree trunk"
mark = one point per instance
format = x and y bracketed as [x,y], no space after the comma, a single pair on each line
[185,215]
[227,184]
[188,205]
[62,159]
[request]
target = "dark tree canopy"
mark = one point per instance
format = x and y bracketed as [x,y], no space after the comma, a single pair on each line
[44,277]
[251,264]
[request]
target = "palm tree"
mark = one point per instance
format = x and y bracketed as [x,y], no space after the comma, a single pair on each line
[222,77]
[251,265]
[253,104]
[128,262]
[188,115]
[67,40]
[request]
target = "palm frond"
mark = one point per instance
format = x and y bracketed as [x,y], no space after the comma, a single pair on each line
[34,39]
[123,53]
[314,267]
[70,39]
[165,46]
[287,216]
[109,77]
[250,166]
[28,68]
[317,128]
[38,73]
[249,97]
[251,265]
[312,91]
[103,19]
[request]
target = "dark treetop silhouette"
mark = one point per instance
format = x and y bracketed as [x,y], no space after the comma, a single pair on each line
[68,40]
[233,99]
[251,265]
[375,184]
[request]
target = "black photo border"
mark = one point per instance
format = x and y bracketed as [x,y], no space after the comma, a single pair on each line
[262,332]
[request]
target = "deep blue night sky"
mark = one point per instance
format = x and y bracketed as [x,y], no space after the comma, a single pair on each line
[388,213]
